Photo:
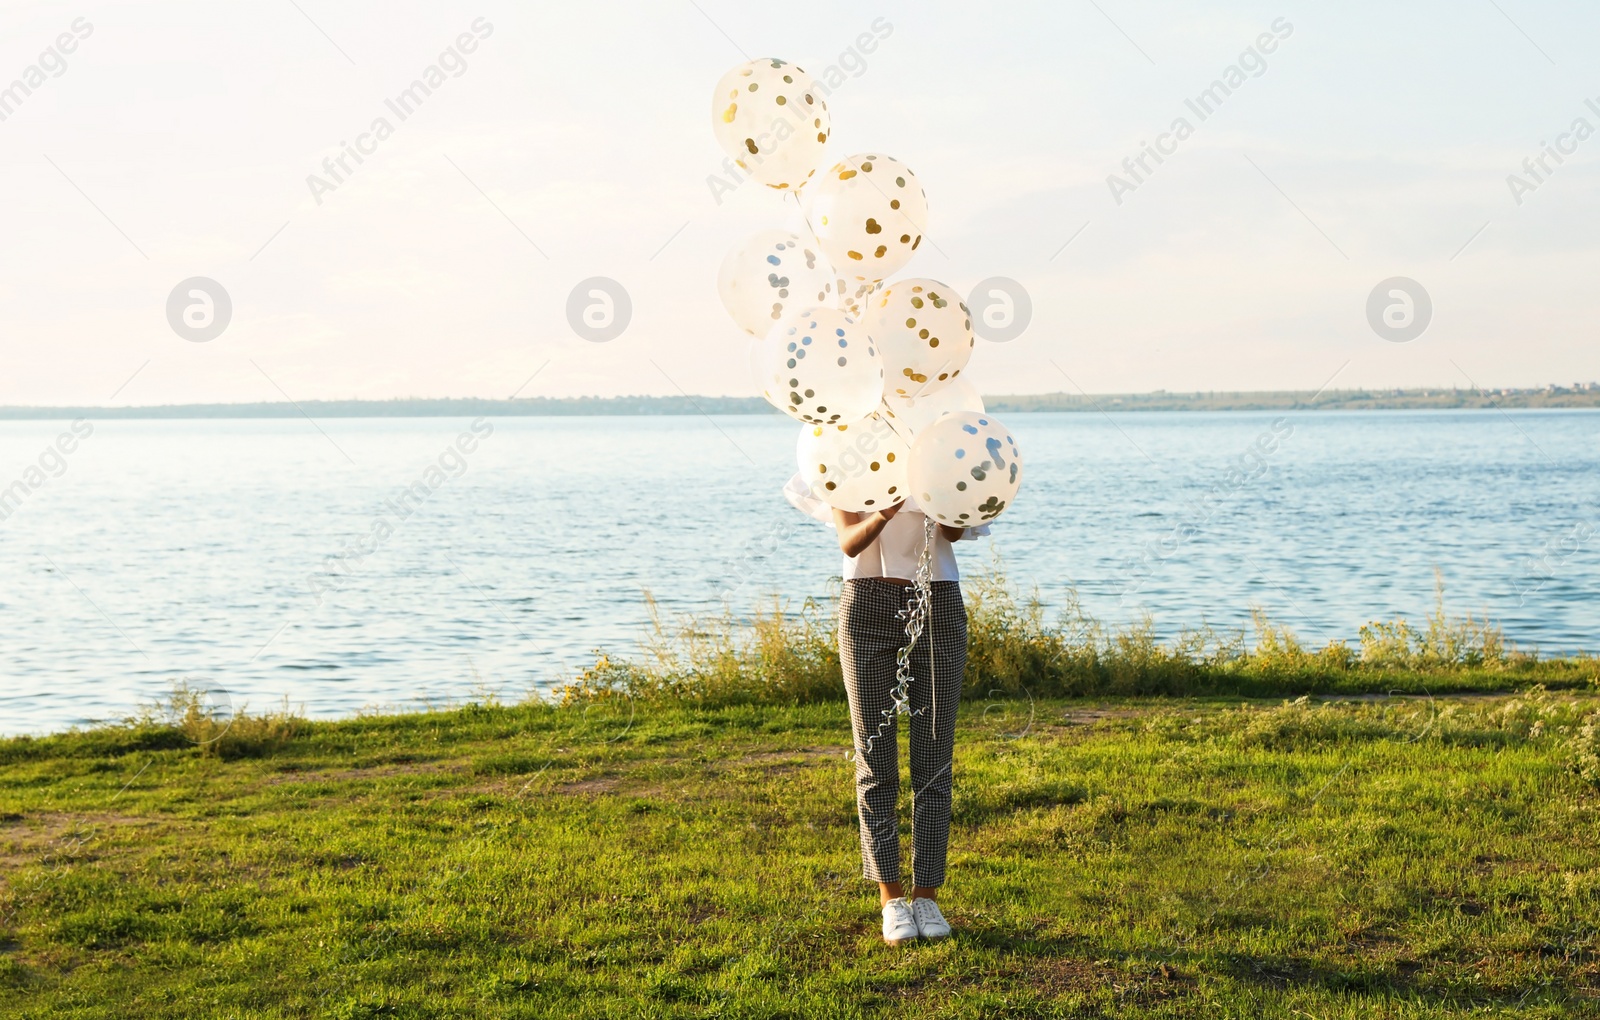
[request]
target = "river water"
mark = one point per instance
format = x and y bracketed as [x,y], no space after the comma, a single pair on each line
[210,549]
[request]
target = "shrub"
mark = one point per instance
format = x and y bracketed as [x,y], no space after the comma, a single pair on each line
[216,733]
[1584,749]
[772,657]
[790,657]
[1447,642]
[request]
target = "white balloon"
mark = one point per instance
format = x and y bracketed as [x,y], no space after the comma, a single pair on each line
[768,276]
[821,368]
[912,416]
[769,117]
[857,466]
[965,469]
[869,214]
[924,332]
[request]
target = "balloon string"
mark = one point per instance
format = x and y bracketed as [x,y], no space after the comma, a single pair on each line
[795,194]
[890,420]
[925,579]
[916,614]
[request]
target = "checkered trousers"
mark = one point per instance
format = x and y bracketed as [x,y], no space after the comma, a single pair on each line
[870,634]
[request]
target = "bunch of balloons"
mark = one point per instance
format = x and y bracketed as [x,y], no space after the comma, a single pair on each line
[870,367]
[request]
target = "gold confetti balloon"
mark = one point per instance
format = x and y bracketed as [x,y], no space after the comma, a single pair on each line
[769,117]
[924,333]
[768,275]
[914,415]
[858,466]
[965,469]
[869,213]
[820,367]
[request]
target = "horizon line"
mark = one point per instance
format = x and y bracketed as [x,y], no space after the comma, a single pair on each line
[1419,397]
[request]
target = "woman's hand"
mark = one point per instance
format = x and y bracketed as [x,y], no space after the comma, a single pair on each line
[858,531]
[952,534]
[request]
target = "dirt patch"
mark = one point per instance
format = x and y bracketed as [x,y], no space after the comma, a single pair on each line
[785,761]
[27,839]
[1090,716]
[768,762]
[1158,983]
[1069,723]
[374,772]
[1053,976]
[591,787]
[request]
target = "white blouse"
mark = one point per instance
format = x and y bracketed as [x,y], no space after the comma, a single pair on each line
[894,553]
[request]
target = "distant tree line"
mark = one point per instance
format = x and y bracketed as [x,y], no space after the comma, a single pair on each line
[1579,395]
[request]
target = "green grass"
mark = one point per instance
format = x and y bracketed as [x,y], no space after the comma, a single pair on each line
[1126,858]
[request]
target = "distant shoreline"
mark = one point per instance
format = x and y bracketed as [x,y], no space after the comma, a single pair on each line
[1587,396]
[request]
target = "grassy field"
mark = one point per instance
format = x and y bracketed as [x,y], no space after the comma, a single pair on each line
[1389,857]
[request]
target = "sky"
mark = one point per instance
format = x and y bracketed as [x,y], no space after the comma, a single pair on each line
[178,139]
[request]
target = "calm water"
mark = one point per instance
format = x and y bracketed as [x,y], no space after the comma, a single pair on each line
[203,548]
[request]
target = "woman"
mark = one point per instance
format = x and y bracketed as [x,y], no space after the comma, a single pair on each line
[881,553]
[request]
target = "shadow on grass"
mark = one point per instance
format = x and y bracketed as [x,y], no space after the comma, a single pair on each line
[1052,964]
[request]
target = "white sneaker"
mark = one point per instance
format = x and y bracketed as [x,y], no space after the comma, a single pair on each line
[899,923]
[930,923]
